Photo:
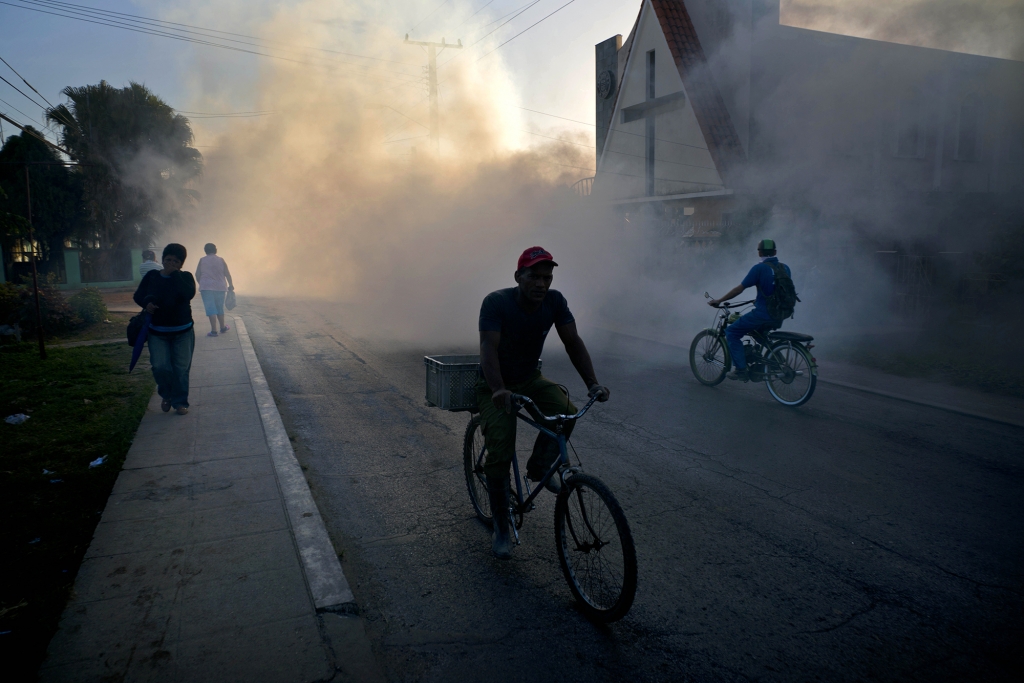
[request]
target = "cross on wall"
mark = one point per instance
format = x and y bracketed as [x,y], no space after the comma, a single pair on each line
[649,109]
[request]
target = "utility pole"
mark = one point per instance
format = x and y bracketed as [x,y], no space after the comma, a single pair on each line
[435,132]
[35,271]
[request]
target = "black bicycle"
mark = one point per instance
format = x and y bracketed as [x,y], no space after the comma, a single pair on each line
[592,537]
[782,360]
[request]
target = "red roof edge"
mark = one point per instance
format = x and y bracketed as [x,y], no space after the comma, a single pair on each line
[705,98]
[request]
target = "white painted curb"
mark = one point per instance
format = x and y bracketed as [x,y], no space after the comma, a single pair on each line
[320,563]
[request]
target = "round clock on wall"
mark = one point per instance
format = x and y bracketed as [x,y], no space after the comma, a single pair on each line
[605,84]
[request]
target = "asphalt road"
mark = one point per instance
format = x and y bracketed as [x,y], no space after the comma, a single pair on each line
[855,538]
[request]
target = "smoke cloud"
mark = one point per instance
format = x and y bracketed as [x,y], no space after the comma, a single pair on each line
[341,195]
[993,28]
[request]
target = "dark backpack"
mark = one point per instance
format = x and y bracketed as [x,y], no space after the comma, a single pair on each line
[135,326]
[782,301]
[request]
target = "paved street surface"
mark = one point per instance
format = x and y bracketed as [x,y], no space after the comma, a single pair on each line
[193,573]
[855,538]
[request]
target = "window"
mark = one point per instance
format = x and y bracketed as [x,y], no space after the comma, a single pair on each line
[22,250]
[910,126]
[968,129]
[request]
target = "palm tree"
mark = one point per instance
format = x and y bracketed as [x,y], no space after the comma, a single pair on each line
[139,166]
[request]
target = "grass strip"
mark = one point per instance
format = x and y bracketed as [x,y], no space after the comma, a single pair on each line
[82,405]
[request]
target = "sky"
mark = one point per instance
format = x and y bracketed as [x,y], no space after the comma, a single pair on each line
[549,68]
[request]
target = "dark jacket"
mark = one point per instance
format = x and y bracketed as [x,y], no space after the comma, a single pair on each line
[173,296]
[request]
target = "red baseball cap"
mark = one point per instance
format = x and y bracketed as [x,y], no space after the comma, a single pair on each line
[535,255]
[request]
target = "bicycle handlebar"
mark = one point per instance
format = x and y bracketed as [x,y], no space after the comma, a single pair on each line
[521,401]
[736,305]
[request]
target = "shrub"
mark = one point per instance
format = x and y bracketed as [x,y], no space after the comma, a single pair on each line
[18,306]
[88,305]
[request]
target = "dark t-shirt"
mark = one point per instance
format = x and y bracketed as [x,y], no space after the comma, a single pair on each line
[173,296]
[522,333]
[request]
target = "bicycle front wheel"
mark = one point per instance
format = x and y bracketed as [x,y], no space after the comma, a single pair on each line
[473,455]
[789,374]
[595,548]
[709,358]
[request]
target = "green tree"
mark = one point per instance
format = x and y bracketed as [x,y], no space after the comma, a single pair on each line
[57,211]
[139,166]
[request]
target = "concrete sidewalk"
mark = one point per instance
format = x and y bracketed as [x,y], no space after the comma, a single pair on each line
[195,572]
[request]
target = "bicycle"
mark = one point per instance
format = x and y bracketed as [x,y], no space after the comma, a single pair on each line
[781,359]
[592,537]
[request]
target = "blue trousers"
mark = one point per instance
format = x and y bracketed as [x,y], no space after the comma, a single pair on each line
[171,358]
[755,320]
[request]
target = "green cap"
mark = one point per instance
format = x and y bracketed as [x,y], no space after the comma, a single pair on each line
[766,245]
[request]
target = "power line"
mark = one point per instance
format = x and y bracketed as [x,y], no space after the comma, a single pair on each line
[229,113]
[627,154]
[24,129]
[414,137]
[526,7]
[428,15]
[161,22]
[612,128]
[517,12]
[474,14]
[43,131]
[22,93]
[26,82]
[527,29]
[104,21]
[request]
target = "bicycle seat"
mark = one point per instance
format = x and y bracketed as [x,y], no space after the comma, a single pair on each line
[790,336]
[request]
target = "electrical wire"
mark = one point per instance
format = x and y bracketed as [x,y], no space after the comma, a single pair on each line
[161,22]
[420,22]
[612,128]
[527,29]
[474,14]
[22,93]
[103,21]
[44,131]
[26,82]
[517,12]
[414,137]
[612,151]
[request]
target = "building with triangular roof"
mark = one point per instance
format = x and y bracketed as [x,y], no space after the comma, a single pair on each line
[710,106]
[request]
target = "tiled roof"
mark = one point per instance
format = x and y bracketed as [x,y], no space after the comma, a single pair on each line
[708,105]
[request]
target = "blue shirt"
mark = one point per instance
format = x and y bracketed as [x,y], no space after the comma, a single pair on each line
[763,277]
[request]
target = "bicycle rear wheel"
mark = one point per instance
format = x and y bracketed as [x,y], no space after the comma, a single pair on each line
[789,374]
[473,459]
[595,548]
[709,358]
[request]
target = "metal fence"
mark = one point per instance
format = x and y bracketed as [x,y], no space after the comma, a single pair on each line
[105,265]
[583,187]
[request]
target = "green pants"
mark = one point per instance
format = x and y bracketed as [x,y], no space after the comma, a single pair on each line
[499,428]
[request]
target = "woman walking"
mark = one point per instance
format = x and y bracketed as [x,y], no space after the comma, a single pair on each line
[214,283]
[166,295]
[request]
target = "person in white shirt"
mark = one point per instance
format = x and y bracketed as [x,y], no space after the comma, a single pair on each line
[214,283]
[148,263]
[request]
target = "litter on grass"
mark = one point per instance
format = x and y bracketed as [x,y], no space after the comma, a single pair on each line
[56,481]
[34,540]
[46,471]
[98,461]
[16,419]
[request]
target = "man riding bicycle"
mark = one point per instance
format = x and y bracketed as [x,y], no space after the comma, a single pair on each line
[761,276]
[514,323]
